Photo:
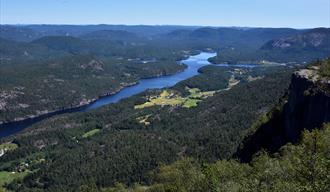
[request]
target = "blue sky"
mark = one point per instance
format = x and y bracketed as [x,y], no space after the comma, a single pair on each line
[251,13]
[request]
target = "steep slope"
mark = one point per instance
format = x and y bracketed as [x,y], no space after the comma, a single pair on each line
[307,106]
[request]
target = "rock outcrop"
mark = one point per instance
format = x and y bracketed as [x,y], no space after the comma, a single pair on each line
[307,106]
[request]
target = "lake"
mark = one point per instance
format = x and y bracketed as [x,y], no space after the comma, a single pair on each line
[193,63]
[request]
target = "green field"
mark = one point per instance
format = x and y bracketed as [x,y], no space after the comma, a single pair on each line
[8,146]
[7,177]
[91,133]
[191,103]
[171,99]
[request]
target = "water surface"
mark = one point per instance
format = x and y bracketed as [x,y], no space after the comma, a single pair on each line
[193,64]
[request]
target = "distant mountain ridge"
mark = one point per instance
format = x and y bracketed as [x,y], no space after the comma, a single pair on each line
[27,33]
[222,37]
[66,43]
[10,49]
[315,40]
[234,44]
[111,35]
[18,33]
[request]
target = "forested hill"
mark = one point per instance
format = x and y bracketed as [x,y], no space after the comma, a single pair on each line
[29,33]
[42,49]
[66,71]
[233,37]
[179,138]
[290,170]
[233,44]
[302,47]
[312,40]
[205,117]
[137,145]
[113,35]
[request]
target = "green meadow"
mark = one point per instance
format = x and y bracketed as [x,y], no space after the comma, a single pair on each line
[168,98]
[91,133]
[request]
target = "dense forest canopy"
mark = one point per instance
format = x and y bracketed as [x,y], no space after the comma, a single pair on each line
[301,167]
[126,149]
[161,138]
[74,59]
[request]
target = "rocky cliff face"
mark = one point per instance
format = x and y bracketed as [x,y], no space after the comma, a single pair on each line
[307,107]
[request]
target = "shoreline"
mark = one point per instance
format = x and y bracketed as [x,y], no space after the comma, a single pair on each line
[11,128]
[253,62]
[83,104]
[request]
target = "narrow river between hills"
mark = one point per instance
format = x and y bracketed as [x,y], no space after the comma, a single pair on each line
[193,63]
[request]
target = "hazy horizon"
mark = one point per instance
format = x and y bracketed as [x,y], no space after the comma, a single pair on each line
[156,25]
[299,14]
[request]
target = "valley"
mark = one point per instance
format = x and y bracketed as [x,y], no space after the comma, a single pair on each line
[148,108]
[131,89]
